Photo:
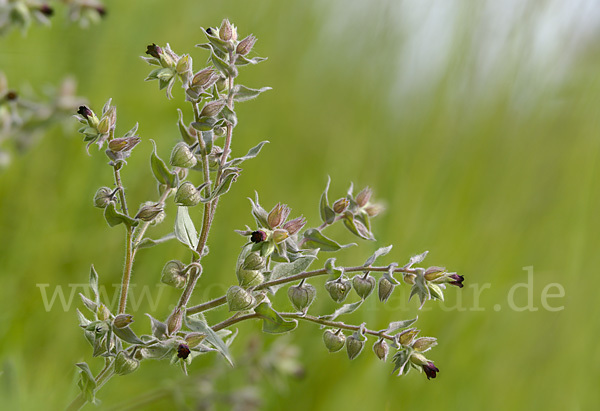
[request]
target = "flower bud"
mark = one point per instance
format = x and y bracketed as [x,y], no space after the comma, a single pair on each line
[205,78]
[258,236]
[278,215]
[406,337]
[354,345]
[122,320]
[245,46]
[456,280]
[418,359]
[102,197]
[154,51]
[433,273]
[363,285]
[212,108]
[102,312]
[187,195]
[123,144]
[381,349]
[104,125]
[374,209]
[409,278]
[226,31]
[172,274]
[341,205]
[46,10]
[385,288]
[184,64]
[249,272]
[295,225]
[149,212]
[424,343]
[253,261]
[124,364]
[193,339]
[12,95]
[182,156]
[302,296]
[338,289]
[175,321]
[183,351]
[85,112]
[334,341]
[363,197]
[239,299]
[280,235]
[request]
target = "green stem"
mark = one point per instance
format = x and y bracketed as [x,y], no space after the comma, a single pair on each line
[126,270]
[102,378]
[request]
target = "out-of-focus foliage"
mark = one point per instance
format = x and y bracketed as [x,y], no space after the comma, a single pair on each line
[477,123]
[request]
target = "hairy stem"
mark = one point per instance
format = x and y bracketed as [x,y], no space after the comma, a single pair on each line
[335,324]
[307,274]
[126,270]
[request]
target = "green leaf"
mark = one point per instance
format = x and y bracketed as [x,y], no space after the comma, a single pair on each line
[344,309]
[155,352]
[208,137]
[127,335]
[133,130]
[243,93]
[114,218]
[215,42]
[229,176]
[380,252]
[284,270]
[416,259]
[87,383]
[229,116]
[252,153]
[436,292]
[89,304]
[185,231]
[314,239]
[159,329]
[326,212]
[94,284]
[223,66]
[259,213]
[400,361]
[242,60]
[183,130]
[83,321]
[356,227]
[398,325]
[149,242]
[333,271]
[273,322]
[198,325]
[162,174]
[205,124]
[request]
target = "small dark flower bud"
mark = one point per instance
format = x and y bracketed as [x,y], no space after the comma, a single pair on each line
[149,212]
[258,236]
[187,195]
[363,285]
[295,225]
[363,197]
[280,235]
[430,370]
[341,205]
[193,339]
[102,197]
[172,274]
[101,11]
[334,341]
[457,280]
[245,46]
[154,50]
[46,10]
[183,351]
[385,289]
[122,144]
[182,156]
[124,364]
[424,343]
[12,95]
[239,299]
[354,345]
[302,296]
[175,321]
[85,112]
[381,349]
[122,320]
[338,289]
[212,108]
[278,215]
[226,30]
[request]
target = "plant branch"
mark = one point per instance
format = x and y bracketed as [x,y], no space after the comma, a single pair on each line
[335,324]
[126,270]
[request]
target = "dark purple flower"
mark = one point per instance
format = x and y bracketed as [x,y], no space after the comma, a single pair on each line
[183,351]
[85,112]
[12,95]
[430,369]
[101,11]
[154,51]
[258,236]
[458,280]
[46,10]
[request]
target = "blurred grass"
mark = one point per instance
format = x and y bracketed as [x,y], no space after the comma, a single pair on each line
[490,175]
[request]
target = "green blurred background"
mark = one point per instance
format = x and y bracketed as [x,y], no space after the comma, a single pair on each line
[475,122]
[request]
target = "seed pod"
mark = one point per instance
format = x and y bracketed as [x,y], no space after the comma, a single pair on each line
[385,289]
[338,289]
[239,299]
[381,349]
[194,338]
[363,286]
[102,197]
[125,364]
[149,211]
[182,156]
[187,195]
[424,343]
[302,296]
[334,341]
[172,274]
[354,345]
[212,108]
[249,273]
[122,320]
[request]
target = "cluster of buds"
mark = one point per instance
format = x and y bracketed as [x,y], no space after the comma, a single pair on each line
[429,284]
[170,67]
[410,353]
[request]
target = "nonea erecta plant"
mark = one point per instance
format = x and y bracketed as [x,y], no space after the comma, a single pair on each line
[279,249]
